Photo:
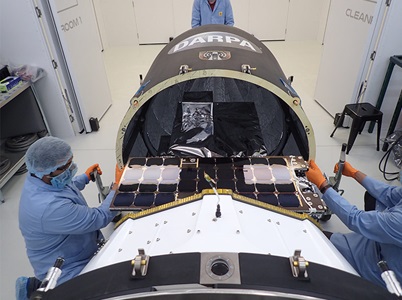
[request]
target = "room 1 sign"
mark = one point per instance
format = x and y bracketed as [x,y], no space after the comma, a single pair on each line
[71,24]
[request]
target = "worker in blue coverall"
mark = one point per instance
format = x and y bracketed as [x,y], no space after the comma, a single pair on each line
[377,234]
[54,217]
[212,12]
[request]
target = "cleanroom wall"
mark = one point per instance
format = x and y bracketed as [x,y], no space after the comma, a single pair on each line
[133,22]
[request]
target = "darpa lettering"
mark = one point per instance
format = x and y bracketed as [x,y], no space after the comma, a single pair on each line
[213,40]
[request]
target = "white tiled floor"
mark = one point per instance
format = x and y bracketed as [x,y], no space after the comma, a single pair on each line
[300,59]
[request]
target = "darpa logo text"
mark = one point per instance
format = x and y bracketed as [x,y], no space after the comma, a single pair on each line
[214,39]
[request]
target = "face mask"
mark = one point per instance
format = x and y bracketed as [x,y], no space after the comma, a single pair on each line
[61,180]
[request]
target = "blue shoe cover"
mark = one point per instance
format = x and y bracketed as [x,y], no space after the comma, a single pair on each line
[21,288]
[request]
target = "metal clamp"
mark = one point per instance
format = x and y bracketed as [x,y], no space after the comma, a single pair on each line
[247,69]
[299,265]
[184,69]
[52,276]
[392,283]
[140,264]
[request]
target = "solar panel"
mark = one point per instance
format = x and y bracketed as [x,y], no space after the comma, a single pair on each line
[153,181]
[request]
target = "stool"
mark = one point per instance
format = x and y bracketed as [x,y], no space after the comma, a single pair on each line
[360,113]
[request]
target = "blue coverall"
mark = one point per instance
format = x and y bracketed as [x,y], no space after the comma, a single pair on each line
[202,13]
[58,223]
[377,234]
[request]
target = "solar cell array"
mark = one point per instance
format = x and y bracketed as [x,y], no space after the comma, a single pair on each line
[148,182]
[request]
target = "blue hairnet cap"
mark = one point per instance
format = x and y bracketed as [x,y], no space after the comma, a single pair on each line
[46,155]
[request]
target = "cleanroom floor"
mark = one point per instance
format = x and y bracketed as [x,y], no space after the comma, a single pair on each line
[124,65]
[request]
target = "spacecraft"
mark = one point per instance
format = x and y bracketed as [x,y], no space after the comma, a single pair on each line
[216,203]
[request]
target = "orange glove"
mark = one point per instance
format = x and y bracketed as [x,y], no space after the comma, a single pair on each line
[315,175]
[118,174]
[348,170]
[92,169]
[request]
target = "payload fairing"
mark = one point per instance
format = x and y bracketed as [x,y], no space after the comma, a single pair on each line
[214,147]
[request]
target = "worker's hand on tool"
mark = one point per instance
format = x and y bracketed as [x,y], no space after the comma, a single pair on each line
[315,175]
[118,173]
[348,170]
[92,169]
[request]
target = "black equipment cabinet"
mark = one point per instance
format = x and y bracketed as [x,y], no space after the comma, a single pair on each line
[21,124]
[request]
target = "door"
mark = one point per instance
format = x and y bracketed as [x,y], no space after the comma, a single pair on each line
[81,46]
[241,10]
[268,19]
[345,41]
[182,10]
[154,21]
[385,42]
